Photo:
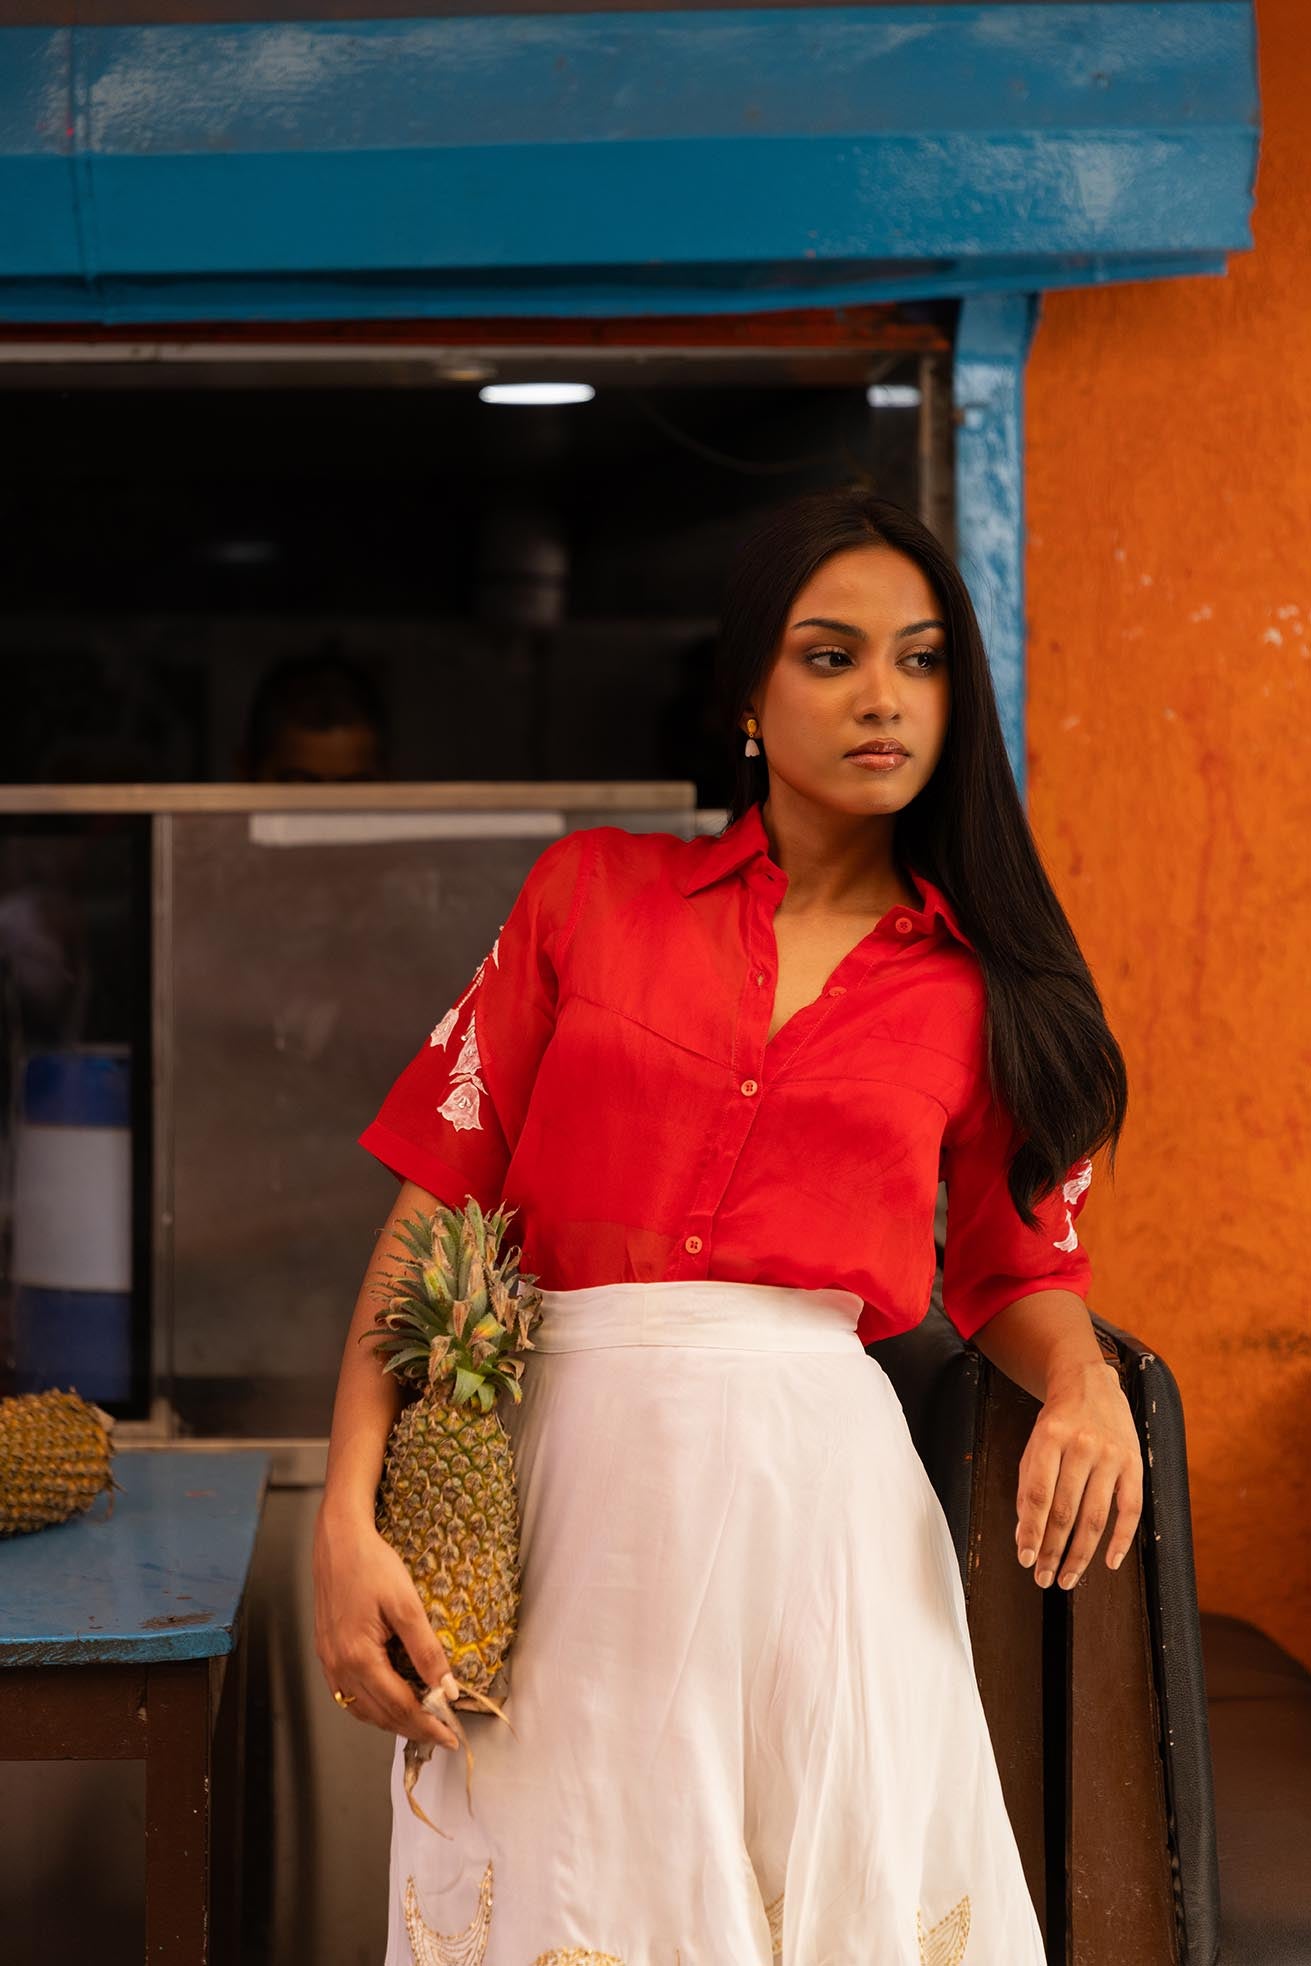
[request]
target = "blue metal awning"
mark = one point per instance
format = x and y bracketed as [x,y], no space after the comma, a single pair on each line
[619,163]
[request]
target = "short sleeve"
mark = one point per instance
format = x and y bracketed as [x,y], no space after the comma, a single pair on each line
[451,1120]
[991,1256]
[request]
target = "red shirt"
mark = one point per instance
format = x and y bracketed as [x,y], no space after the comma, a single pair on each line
[606,1074]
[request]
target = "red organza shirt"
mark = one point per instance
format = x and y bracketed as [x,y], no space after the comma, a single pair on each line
[606,1074]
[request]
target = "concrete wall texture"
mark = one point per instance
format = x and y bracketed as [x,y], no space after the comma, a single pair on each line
[1169,603]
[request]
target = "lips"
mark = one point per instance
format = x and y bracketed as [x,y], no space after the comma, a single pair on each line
[880,750]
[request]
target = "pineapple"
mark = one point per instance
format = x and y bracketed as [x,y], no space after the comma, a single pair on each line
[454,1311]
[54,1459]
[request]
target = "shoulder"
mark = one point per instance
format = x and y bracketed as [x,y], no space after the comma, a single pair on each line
[628,898]
[614,853]
[596,870]
[955,991]
[552,890]
[961,1028]
[943,1007]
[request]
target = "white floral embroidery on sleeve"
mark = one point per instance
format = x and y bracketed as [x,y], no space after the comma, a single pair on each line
[440,1032]
[460,1106]
[1073,1188]
[468,1064]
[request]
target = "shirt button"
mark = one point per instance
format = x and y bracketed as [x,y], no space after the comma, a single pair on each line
[904,924]
[760,978]
[838,990]
[692,1244]
[749,1086]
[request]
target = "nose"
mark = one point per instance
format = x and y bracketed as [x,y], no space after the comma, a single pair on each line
[878,696]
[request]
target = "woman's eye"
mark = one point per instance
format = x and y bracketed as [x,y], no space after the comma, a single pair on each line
[931,658]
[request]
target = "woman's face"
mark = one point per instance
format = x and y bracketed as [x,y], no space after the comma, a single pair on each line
[862,656]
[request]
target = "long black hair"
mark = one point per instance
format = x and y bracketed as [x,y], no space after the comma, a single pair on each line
[1051,1057]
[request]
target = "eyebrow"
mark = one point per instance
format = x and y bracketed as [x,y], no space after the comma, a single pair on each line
[846,628]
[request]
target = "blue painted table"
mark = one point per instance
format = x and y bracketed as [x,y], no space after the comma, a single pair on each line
[120,1639]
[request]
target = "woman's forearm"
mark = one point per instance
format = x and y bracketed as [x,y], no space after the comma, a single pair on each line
[1041,1339]
[368,1399]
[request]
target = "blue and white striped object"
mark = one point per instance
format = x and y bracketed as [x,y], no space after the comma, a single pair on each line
[72,1260]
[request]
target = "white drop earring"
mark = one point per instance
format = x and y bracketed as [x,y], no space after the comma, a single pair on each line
[752,748]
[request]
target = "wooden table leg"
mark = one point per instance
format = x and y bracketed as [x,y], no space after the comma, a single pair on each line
[228,1789]
[178,1734]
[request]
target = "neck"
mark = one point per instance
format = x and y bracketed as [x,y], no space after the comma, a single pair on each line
[836,862]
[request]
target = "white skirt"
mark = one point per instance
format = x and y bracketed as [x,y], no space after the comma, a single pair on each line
[742,1683]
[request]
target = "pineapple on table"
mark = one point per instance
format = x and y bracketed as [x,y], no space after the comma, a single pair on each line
[54,1459]
[456,1309]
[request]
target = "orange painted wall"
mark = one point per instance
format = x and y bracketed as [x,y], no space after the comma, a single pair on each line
[1169,597]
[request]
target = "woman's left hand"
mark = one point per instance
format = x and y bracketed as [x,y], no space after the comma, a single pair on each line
[1083,1453]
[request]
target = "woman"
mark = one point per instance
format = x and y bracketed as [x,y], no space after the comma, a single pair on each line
[720,1079]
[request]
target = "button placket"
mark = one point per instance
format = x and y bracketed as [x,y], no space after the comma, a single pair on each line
[769,903]
[749,1045]
[718,1171]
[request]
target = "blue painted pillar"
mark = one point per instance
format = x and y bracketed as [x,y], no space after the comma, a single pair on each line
[992,344]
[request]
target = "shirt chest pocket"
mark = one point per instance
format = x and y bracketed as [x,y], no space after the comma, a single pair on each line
[681,987]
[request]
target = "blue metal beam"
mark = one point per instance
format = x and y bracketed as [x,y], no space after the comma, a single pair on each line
[992,344]
[619,163]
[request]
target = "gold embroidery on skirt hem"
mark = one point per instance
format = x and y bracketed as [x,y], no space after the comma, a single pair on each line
[774,1913]
[944,1943]
[467,1948]
[576,1956]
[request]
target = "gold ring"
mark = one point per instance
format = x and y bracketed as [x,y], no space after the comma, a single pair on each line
[344,1699]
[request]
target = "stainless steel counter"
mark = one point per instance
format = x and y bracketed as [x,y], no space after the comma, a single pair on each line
[303,941]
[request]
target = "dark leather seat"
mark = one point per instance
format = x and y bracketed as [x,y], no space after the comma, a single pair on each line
[1096,1698]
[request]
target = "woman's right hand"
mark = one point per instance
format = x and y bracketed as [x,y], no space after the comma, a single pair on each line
[363,1593]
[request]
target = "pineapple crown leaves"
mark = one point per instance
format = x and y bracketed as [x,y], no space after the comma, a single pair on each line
[454,1308]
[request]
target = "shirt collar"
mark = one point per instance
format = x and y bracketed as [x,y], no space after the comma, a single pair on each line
[710,857]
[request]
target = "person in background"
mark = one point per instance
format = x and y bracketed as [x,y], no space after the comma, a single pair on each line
[313,720]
